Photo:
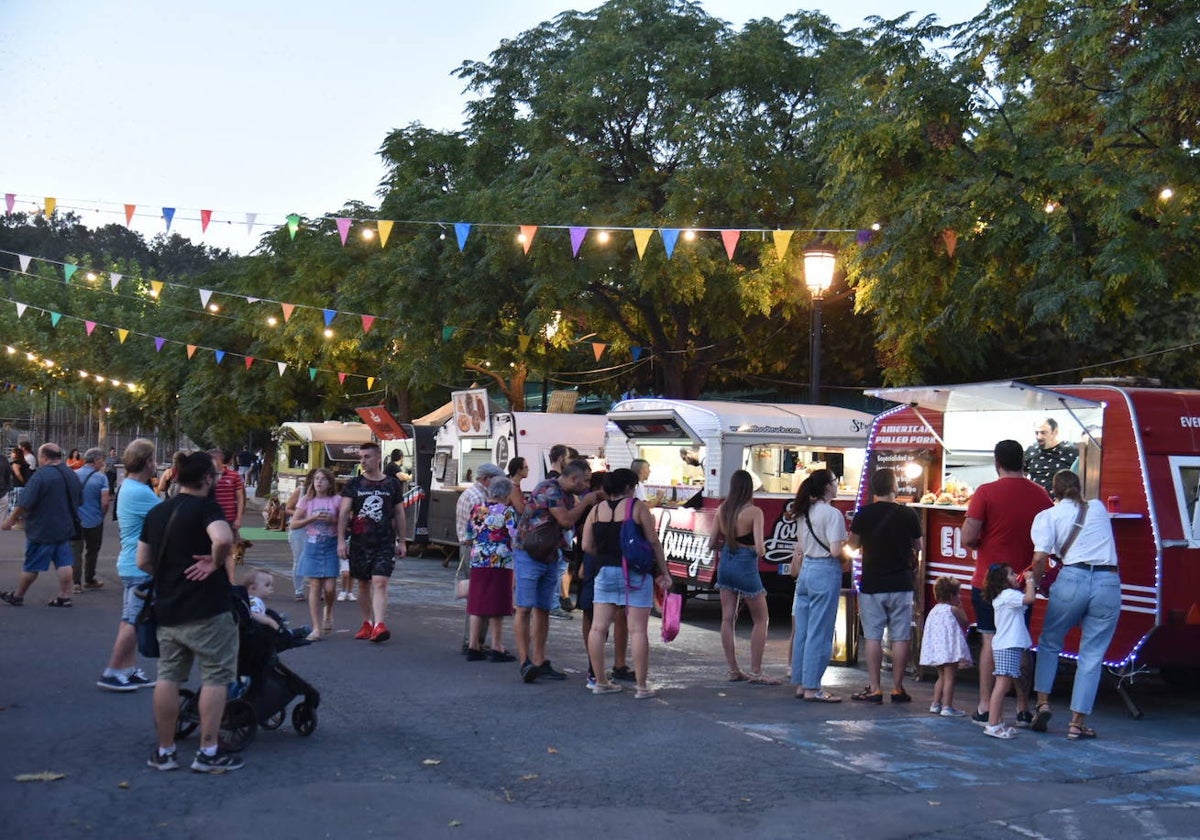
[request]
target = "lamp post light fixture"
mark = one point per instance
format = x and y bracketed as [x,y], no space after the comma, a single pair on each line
[818,277]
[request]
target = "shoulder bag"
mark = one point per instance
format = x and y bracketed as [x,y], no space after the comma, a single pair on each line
[1054,563]
[146,623]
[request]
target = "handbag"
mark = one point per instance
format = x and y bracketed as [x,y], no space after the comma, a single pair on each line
[672,612]
[542,542]
[462,588]
[1054,562]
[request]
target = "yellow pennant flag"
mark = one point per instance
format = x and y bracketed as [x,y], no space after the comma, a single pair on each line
[782,238]
[385,230]
[523,342]
[122,335]
[51,203]
[156,287]
[371,379]
[191,350]
[641,238]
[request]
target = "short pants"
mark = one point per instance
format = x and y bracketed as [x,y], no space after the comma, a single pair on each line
[39,556]
[375,565]
[213,642]
[537,582]
[891,610]
[612,589]
[1008,662]
[131,604]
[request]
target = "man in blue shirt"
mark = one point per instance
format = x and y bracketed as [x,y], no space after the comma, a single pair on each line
[48,505]
[91,518]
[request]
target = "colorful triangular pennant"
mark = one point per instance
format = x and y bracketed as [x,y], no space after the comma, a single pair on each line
[88,326]
[782,238]
[168,215]
[288,309]
[343,227]
[368,321]
[69,271]
[129,208]
[462,230]
[577,237]
[730,238]
[385,230]
[122,334]
[527,234]
[293,224]
[669,237]
[329,313]
[158,344]
[641,238]
[205,218]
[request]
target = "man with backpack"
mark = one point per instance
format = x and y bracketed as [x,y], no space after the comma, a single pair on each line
[91,518]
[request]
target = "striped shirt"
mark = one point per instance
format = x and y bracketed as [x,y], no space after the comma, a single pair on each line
[229,486]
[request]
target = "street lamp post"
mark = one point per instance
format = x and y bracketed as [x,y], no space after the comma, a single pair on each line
[818,277]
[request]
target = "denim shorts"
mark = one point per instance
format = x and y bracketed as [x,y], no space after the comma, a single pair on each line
[213,642]
[1008,662]
[39,556]
[738,571]
[985,616]
[537,582]
[611,588]
[131,604]
[891,610]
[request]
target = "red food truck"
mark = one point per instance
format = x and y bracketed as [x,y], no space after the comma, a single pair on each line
[1139,452]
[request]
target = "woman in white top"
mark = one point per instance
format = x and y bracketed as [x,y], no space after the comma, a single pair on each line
[1086,594]
[817,565]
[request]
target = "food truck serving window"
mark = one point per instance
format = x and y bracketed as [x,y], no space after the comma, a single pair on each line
[1185,471]
[781,467]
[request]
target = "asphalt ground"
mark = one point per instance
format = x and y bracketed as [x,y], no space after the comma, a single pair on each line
[413,741]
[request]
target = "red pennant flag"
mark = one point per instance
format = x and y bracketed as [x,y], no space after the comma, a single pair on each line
[730,238]
[205,218]
[288,309]
[249,361]
[368,321]
[527,234]
[341,378]
[129,208]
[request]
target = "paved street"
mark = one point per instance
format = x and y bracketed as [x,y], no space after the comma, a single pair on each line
[413,741]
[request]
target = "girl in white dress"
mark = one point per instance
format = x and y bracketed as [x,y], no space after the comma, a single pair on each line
[944,644]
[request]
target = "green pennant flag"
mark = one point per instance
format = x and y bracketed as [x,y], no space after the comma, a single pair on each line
[293,222]
[54,316]
[69,270]
[448,333]
[312,374]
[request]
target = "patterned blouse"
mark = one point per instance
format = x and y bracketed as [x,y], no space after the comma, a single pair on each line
[493,529]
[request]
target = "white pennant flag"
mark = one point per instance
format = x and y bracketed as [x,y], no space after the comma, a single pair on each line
[20,309]
[114,279]
[24,263]
[250,217]
[205,297]
[253,300]
[282,367]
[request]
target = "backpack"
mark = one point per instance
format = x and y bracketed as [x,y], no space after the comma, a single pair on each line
[636,550]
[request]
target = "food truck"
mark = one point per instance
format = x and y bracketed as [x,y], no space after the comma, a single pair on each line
[1139,453]
[693,447]
[474,436]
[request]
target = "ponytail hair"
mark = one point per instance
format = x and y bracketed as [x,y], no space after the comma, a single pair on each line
[1066,486]
[812,489]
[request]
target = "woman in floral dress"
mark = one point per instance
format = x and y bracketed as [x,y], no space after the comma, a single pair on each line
[492,527]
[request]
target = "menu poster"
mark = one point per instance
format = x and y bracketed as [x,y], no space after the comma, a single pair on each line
[912,469]
[471,416]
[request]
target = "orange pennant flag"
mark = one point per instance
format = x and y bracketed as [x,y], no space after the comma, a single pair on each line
[51,203]
[950,237]
[122,335]
[191,350]
[129,208]
[156,287]
[370,382]
[288,309]
[730,238]
[523,342]
[341,378]
[598,349]
[782,238]
[526,237]
[205,218]
[385,230]
[641,238]
[249,361]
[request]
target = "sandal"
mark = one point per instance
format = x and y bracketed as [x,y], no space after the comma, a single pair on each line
[644,693]
[314,636]
[738,676]
[822,696]
[1079,732]
[60,602]
[901,696]
[1041,717]
[12,598]
[764,679]
[869,696]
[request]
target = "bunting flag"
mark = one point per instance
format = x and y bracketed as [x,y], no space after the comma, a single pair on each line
[367,321]
[191,350]
[54,318]
[24,260]
[10,201]
[122,334]
[462,230]
[598,349]
[341,378]
[635,351]
[385,230]
[156,287]
[168,215]
[69,271]
[447,333]
[863,237]
[641,238]
[249,361]
[51,203]
[329,313]
[669,237]
[730,238]
[250,217]
[527,234]
[205,297]
[577,235]
[523,342]
[370,382]
[293,224]
[950,238]
[89,326]
[21,309]
[253,300]
[782,238]
[205,218]
[158,344]
[288,309]
[129,208]
[343,228]
[312,374]
[220,354]
[114,279]
[282,367]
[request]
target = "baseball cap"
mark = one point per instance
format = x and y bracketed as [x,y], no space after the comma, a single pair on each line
[488,471]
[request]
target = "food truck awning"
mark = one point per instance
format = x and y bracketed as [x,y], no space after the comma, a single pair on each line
[330,432]
[663,425]
[983,396]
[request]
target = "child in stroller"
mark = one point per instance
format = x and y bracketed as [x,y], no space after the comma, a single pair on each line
[265,686]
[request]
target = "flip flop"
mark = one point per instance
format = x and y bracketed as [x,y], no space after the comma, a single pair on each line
[738,676]
[822,697]
[764,679]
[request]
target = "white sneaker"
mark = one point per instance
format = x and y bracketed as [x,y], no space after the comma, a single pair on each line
[935,708]
[350,596]
[950,711]
[341,596]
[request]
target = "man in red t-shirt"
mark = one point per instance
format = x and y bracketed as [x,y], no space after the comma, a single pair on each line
[229,491]
[997,526]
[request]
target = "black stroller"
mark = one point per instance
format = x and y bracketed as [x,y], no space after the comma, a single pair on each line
[264,688]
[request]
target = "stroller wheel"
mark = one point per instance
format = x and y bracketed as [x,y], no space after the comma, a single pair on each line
[304,719]
[274,721]
[237,726]
[189,713]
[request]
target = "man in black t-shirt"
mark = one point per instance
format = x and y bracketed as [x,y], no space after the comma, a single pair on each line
[185,544]
[890,537]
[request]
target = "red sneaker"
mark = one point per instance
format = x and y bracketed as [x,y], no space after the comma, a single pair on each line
[380,633]
[364,632]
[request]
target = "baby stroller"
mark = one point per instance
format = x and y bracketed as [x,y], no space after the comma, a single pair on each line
[264,688]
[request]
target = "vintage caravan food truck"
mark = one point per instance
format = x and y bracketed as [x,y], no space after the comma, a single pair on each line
[1139,452]
[475,436]
[693,447]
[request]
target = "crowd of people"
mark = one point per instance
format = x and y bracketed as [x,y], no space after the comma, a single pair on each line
[179,533]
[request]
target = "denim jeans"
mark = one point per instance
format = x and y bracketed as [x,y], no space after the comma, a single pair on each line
[1088,600]
[815,610]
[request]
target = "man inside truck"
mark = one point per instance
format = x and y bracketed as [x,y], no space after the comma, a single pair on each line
[1049,455]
